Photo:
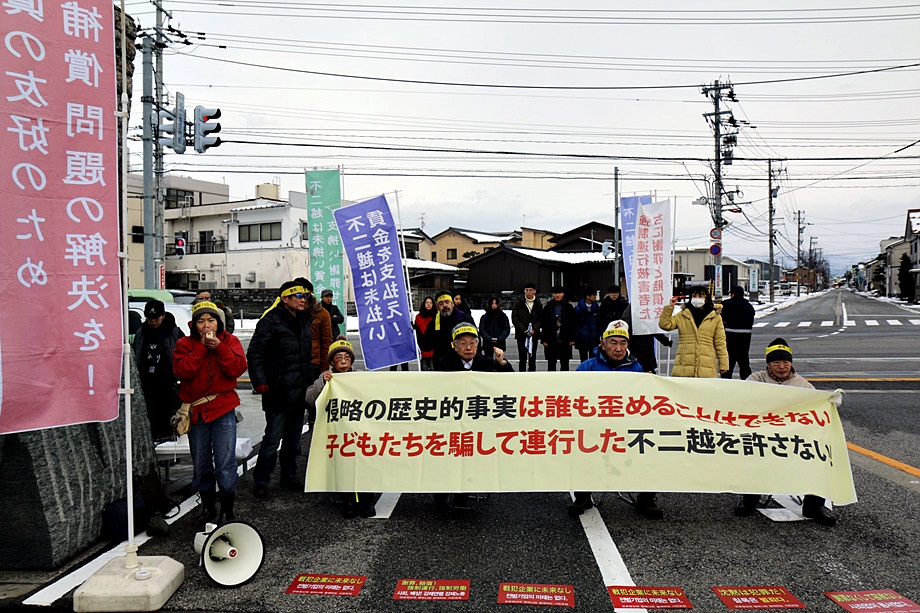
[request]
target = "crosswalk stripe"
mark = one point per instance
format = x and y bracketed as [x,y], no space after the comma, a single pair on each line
[763,324]
[849,322]
[871,322]
[916,322]
[782,324]
[825,324]
[894,322]
[804,324]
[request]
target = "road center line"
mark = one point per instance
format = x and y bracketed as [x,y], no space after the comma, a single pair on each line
[910,470]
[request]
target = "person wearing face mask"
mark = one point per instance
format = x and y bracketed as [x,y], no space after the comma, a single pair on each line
[701,348]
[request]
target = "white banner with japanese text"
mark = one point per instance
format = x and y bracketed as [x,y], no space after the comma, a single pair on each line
[60,304]
[650,282]
[508,432]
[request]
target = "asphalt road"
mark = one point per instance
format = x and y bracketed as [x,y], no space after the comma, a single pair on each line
[529,538]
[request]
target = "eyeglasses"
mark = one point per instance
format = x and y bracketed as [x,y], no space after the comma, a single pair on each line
[299,296]
[466,343]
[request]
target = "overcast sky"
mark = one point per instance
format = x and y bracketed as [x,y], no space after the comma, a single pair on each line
[498,114]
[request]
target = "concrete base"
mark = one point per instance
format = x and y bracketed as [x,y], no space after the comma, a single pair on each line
[144,588]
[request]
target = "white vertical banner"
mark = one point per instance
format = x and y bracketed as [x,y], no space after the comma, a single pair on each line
[652,260]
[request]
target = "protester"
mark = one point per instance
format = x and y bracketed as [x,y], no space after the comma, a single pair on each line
[226,315]
[738,319]
[701,351]
[586,331]
[437,334]
[465,356]
[525,315]
[280,368]
[208,362]
[342,360]
[320,331]
[494,327]
[614,356]
[612,307]
[460,304]
[335,315]
[557,330]
[422,320]
[781,372]
[154,344]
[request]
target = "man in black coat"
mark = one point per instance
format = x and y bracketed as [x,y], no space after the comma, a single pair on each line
[738,318]
[525,316]
[154,344]
[280,368]
[613,307]
[334,313]
[557,330]
[464,356]
[438,332]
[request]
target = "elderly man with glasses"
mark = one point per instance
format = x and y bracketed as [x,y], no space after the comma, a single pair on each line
[279,356]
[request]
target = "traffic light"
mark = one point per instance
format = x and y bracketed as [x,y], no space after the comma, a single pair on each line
[172,123]
[180,246]
[203,127]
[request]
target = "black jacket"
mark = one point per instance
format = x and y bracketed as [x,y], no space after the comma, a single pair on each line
[279,356]
[520,317]
[494,326]
[611,310]
[453,362]
[153,349]
[336,316]
[437,334]
[737,315]
[566,324]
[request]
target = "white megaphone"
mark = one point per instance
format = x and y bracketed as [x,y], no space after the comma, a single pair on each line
[231,554]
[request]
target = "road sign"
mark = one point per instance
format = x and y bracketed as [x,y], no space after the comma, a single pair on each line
[715,234]
[715,249]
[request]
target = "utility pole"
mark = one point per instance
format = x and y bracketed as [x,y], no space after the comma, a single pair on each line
[798,252]
[723,152]
[770,196]
[160,230]
[151,272]
[616,225]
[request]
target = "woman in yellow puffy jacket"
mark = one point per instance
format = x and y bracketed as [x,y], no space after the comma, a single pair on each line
[701,350]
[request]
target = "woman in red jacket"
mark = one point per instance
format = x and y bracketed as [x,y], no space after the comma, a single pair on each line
[425,316]
[208,363]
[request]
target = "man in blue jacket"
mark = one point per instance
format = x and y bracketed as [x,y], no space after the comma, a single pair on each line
[586,331]
[613,356]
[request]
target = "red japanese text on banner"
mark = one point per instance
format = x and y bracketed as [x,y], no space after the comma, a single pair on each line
[60,303]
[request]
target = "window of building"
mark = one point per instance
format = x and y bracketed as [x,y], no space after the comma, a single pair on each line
[234,281]
[451,254]
[137,234]
[176,198]
[434,256]
[251,233]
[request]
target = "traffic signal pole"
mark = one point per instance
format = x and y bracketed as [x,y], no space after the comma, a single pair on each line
[151,272]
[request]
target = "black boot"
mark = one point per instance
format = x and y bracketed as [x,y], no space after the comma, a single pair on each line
[207,514]
[646,507]
[813,508]
[747,505]
[366,501]
[582,503]
[226,508]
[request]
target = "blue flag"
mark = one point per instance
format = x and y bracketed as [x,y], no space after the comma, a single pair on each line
[629,207]
[381,295]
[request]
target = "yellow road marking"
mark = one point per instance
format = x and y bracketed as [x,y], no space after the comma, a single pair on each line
[884,459]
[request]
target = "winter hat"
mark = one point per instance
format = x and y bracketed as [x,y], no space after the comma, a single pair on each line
[339,346]
[778,350]
[303,281]
[464,328]
[326,292]
[530,284]
[200,308]
[616,328]
[154,309]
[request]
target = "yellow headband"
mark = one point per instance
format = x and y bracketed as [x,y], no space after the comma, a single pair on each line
[617,328]
[204,304]
[297,289]
[773,348]
[340,345]
[445,297]
[467,329]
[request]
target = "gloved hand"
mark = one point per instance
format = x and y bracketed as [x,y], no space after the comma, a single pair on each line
[261,389]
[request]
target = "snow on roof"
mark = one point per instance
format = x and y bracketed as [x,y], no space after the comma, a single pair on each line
[914,218]
[255,207]
[485,237]
[413,264]
[578,257]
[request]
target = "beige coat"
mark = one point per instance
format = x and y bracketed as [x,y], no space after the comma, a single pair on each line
[701,352]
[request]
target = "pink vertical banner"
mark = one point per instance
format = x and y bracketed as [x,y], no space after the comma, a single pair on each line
[650,283]
[60,295]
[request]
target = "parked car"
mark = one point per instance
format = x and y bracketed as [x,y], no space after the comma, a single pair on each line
[182,313]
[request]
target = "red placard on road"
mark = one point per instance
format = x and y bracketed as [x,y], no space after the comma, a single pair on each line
[537,594]
[648,597]
[873,601]
[326,585]
[757,597]
[432,589]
